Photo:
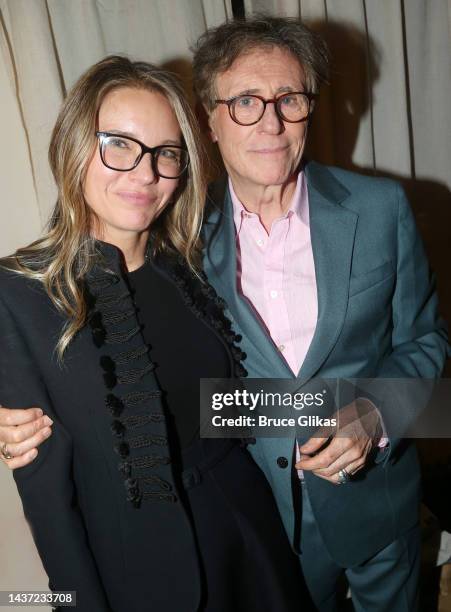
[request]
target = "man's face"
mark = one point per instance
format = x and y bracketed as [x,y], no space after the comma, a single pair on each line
[268,152]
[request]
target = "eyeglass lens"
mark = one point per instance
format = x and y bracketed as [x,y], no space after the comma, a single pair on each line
[249,109]
[120,153]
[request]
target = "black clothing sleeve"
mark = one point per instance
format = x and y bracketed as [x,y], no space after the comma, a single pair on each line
[46,486]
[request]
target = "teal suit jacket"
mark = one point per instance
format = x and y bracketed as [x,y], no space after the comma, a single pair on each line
[377,317]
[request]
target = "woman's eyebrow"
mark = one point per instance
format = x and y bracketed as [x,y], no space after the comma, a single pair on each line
[167,141]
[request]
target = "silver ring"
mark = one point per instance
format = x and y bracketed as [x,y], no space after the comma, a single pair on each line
[343,476]
[5,453]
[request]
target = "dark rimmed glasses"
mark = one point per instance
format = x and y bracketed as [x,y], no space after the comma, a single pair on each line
[248,109]
[123,153]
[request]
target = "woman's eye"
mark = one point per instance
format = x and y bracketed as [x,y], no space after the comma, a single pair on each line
[169,154]
[119,143]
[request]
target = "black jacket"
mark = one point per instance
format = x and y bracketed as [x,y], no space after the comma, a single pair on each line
[101,497]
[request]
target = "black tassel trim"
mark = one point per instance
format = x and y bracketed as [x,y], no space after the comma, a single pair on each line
[134,494]
[149,461]
[139,420]
[147,440]
[121,337]
[114,404]
[156,481]
[167,497]
[113,321]
[118,429]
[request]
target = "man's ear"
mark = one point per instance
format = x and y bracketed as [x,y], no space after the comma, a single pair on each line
[211,126]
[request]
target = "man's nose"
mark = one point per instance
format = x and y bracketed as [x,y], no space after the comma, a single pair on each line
[144,172]
[271,123]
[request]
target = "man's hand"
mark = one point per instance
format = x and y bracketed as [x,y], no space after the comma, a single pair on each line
[22,430]
[358,430]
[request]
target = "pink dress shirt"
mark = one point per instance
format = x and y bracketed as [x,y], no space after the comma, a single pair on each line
[276,274]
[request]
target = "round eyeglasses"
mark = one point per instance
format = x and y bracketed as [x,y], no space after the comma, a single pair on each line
[248,109]
[123,153]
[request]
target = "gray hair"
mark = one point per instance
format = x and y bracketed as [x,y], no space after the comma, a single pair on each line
[217,49]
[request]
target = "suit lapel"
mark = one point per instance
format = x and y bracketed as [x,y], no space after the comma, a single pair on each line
[332,230]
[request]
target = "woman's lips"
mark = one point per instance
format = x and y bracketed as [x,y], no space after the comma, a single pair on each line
[135,197]
[269,150]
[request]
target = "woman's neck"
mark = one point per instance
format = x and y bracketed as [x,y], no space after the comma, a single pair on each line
[131,244]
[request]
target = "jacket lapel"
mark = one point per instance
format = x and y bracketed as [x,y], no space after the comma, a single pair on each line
[332,230]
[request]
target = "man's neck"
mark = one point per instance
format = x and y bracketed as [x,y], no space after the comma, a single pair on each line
[268,202]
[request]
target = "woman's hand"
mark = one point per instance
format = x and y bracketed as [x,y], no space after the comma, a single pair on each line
[22,431]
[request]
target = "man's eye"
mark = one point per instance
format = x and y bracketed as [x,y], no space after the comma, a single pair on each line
[289,100]
[246,101]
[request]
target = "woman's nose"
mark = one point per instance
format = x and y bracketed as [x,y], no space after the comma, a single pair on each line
[144,171]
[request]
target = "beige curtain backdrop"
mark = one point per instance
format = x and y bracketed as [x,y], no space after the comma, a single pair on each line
[386,110]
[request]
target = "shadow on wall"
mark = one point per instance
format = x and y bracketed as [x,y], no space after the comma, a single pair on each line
[334,132]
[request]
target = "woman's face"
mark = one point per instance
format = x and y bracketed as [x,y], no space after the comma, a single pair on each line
[126,203]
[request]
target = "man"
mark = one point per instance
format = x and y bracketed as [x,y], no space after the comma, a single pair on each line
[324,275]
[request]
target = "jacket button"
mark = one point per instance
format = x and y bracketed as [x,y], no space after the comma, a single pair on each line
[282,462]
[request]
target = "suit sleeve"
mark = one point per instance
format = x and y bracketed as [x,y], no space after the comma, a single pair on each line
[46,486]
[419,335]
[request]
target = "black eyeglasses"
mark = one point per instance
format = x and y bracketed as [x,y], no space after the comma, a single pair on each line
[123,153]
[247,109]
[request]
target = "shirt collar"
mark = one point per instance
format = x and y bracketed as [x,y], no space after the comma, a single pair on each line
[298,204]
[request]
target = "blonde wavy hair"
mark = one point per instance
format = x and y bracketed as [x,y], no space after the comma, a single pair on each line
[62,257]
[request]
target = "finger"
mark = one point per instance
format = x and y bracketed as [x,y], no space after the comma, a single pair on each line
[23,460]
[312,445]
[332,479]
[16,450]
[15,434]
[18,416]
[326,457]
[355,455]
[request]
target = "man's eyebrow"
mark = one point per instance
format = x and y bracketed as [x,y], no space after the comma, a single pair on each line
[247,92]
[257,90]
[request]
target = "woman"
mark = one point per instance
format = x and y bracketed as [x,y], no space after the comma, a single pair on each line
[107,325]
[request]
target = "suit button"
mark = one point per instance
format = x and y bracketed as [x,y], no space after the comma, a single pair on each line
[282,462]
